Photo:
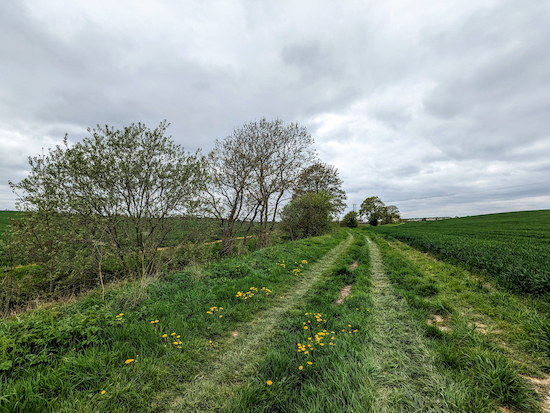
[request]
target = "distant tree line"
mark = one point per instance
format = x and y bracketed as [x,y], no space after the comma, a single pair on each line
[108,203]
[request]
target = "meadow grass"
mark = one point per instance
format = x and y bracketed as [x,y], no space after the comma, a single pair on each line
[92,355]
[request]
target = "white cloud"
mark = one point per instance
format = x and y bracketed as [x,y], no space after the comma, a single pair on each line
[409,100]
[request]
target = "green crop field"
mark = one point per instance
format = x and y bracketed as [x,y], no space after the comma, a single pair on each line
[5,217]
[514,248]
[353,321]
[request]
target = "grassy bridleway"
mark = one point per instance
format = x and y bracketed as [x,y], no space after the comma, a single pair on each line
[407,379]
[219,381]
[438,338]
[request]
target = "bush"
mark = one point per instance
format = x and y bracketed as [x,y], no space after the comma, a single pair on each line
[310,215]
[350,220]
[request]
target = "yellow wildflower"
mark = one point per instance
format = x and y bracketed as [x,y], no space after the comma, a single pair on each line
[103,392]
[269,382]
[129,361]
[300,368]
[164,335]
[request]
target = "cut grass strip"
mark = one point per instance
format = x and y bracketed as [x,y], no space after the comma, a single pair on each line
[217,382]
[407,376]
[472,361]
[302,371]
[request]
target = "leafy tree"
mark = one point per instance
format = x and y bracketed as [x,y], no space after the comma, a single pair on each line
[321,177]
[373,209]
[391,215]
[350,220]
[309,215]
[120,192]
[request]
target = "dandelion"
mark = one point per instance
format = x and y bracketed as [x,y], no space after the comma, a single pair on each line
[176,343]
[305,327]
[173,334]
[129,361]
[269,382]
[103,392]
[178,336]
[221,316]
[300,368]
[164,335]
[310,363]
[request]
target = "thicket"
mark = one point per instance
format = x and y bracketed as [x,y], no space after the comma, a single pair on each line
[514,248]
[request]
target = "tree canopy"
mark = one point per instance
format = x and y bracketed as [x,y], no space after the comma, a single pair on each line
[321,177]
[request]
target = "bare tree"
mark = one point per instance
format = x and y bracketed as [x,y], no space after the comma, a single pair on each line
[281,151]
[251,172]
[228,189]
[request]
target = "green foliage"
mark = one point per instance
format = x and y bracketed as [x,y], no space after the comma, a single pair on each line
[115,196]
[350,220]
[308,216]
[373,209]
[321,177]
[514,248]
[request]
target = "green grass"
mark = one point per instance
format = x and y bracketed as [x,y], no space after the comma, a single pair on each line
[61,358]
[470,353]
[380,352]
[514,248]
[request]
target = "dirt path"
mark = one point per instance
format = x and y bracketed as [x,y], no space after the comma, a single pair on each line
[406,378]
[219,381]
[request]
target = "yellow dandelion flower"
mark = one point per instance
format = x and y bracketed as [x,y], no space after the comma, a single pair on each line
[310,363]
[178,336]
[306,352]
[221,316]
[164,335]
[156,321]
[129,361]
[152,321]
[221,308]
[305,327]
[269,382]
[300,368]
[103,392]
[173,334]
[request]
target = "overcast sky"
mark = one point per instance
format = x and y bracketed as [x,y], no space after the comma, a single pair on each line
[439,107]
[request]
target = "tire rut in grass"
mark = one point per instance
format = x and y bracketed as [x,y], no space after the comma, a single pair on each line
[406,378]
[219,381]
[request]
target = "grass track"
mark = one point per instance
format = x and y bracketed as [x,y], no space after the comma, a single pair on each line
[408,379]
[212,388]
[480,375]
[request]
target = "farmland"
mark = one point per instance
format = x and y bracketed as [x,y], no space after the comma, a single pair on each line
[352,321]
[513,248]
